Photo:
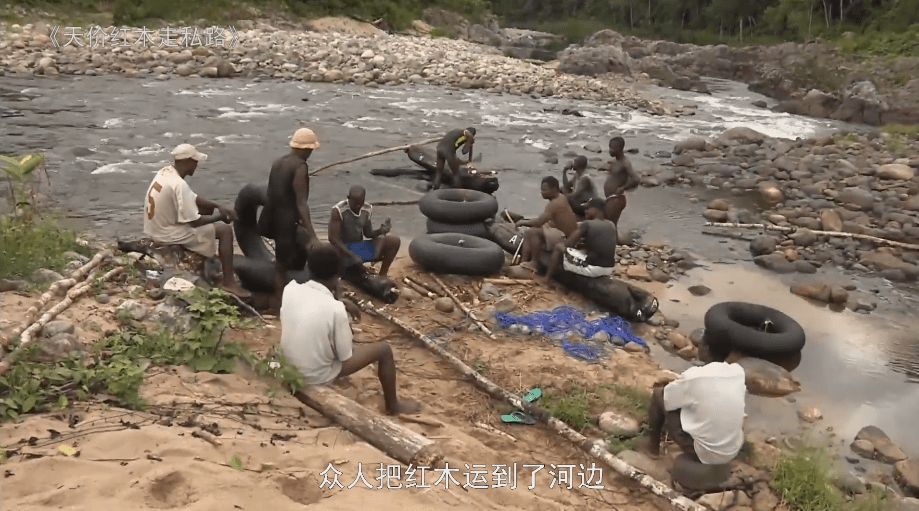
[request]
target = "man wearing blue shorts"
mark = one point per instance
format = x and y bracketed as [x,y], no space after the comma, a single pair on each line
[352,234]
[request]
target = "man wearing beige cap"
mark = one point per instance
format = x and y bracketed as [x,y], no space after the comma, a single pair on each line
[288,209]
[173,215]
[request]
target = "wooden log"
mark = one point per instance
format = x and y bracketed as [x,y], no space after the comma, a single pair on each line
[376,153]
[427,286]
[508,281]
[596,450]
[465,309]
[27,335]
[418,289]
[837,234]
[381,432]
[396,203]
[58,287]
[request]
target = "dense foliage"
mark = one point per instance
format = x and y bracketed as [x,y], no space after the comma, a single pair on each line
[879,26]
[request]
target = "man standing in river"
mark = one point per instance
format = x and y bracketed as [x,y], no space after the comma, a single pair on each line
[288,209]
[175,215]
[446,153]
[622,178]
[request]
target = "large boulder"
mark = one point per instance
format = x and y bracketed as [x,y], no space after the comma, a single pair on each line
[659,70]
[862,105]
[605,37]
[594,61]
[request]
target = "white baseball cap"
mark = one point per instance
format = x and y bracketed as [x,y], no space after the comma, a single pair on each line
[185,151]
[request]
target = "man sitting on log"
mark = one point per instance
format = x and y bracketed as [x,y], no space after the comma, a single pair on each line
[173,216]
[581,188]
[350,223]
[597,236]
[551,228]
[703,411]
[316,335]
[446,153]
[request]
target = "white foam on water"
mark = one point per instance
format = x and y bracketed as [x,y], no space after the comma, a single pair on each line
[240,115]
[226,109]
[773,124]
[233,138]
[170,134]
[354,125]
[204,93]
[114,123]
[144,151]
[113,168]
[538,144]
[428,112]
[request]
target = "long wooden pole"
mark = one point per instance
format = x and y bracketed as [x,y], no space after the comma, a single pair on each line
[468,312]
[837,234]
[596,450]
[376,153]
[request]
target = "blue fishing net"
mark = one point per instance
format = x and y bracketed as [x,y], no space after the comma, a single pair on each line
[566,319]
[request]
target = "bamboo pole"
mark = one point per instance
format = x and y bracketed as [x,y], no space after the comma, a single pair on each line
[27,335]
[377,153]
[837,234]
[468,312]
[418,289]
[427,286]
[59,286]
[595,450]
[508,281]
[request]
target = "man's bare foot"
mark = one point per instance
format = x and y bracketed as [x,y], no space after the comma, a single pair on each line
[237,290]
[530,265]
[646,447]
[406,406]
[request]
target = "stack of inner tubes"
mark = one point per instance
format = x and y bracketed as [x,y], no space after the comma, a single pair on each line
[455,210]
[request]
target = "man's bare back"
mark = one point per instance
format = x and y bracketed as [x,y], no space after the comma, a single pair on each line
[561,216]
[621,177]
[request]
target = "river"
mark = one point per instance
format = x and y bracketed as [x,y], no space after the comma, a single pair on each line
[105,137]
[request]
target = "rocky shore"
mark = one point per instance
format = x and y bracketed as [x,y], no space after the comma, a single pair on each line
[810,79]
[340,53]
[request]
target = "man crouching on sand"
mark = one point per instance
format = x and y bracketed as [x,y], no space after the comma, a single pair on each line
[316,334]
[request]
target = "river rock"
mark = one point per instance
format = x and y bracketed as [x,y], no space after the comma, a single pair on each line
[863,448]
[46,276]
[720,205]
[489,291]
[908,504]
[678,340]
[896,172]
[444,305]
[134,309]
[11,285]
[857,198]
[699,290]
[884,450]
[745,135]
[809,414]
[830,220]
[775,262]
[763,245]
[184,70]
[723,501]
[804,238]
[764,378]
[683,160]
[907,475]
[715,215]
[58,348]
[638,272]
[616,424]
[848,482]
[820,291]
[57,327]
[690,144]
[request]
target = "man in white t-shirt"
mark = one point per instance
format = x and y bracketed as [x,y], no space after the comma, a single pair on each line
[316,335]
[173,215]
[702,411]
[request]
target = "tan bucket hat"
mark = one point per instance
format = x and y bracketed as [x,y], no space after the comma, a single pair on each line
[304,138]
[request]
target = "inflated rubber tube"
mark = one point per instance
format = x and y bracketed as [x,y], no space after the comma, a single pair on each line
[257,276]
[456,206]
[455,253]
[626,301]
[740,326]
[246,227]
[426,159]
[413,173]
[478,229]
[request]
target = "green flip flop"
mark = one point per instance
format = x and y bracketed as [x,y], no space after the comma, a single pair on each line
[518,417]
[532,395]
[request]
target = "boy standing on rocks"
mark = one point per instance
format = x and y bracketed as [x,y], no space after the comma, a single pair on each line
[622,178]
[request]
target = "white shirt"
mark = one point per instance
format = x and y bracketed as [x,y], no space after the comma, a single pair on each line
[711,400]
[316,335]
[169,206]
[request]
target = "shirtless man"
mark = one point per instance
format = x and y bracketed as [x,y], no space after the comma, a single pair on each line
[287,209]
[551,228]
[621,179]
[446,153]
[590,251]
[580,189]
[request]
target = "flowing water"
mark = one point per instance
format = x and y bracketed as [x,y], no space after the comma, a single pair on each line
[105,137]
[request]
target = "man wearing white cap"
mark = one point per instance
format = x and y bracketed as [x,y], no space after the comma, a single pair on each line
[288,209]
[173,215]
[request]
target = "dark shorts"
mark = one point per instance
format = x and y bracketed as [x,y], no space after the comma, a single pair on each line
[289,253]
[450,157]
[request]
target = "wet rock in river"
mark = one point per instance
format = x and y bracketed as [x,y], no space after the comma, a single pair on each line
[764,378]
[809,414]
[883,448]
[907,475]
[804,238]
[830,220]
[715,215]
[699,290]
[775,262]
[763,245]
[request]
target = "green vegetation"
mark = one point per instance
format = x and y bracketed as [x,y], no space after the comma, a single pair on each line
[803,479]
[580,404]
[617,444]
[30,239]
[117,363]
[877,27]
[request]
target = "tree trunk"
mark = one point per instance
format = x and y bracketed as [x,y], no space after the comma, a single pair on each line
[381,432]
[840,12]
[595,450]
[631,16]
[810,19]
[741,30]
[649,13]
[826,13]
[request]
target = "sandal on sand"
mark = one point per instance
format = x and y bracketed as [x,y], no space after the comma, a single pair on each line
[518,417]
[532,395]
